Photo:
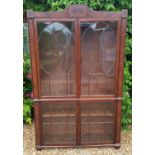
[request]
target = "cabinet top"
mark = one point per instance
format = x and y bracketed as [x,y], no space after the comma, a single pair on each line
[77,11]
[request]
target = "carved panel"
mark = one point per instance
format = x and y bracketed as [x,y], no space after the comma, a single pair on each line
[79,11]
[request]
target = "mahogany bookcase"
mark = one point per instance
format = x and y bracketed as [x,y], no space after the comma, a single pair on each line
[77,59]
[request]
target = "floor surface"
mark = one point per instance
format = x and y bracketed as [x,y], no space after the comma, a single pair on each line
[29,146]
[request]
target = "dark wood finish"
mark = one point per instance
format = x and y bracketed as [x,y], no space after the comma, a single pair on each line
[121,53]
[75,11]
[78,124]
[97,122]
[37,124]
[90,116]
[33,57]
[58,122]
[120,75]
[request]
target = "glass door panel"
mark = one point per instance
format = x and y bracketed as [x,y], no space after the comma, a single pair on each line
[98,54]
[58,122]
[97,122]
[57,58]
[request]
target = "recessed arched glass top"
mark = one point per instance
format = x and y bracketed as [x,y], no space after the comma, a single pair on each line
[98,53]
[57,61]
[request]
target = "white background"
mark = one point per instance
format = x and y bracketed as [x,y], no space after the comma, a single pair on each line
[11,70]
[143,71]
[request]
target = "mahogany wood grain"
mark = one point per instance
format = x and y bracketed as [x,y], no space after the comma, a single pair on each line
[121,74]
[44,105]
[38,127]
[33,58]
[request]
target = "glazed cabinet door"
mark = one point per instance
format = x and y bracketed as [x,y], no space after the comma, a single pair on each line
[98,57]
[56,54]
[58,123]
[97,122]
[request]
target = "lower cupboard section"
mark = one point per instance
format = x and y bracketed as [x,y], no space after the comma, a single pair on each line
[97,122]
[97,133]
[59,133]
[59,123]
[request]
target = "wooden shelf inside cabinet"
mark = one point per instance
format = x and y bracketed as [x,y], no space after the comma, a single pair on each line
[77,55]
[93,123]
[58,115]
[97,114]
[59,138]
[72,115]
[99,138]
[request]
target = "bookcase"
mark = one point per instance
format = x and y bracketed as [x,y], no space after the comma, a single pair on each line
[77,59]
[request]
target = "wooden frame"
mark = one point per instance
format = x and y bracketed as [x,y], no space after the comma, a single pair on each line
[77,13]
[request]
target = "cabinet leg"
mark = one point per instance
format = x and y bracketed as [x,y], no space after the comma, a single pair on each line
[38,148]
[117,146]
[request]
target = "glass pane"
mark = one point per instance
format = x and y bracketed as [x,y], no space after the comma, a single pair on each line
[58,123]
[98,52]
[97,122]
[57,61]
